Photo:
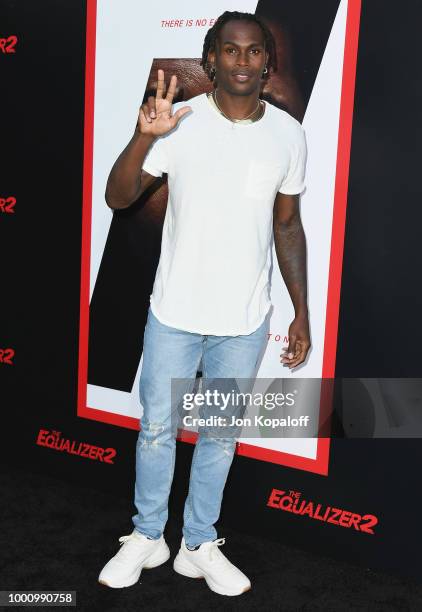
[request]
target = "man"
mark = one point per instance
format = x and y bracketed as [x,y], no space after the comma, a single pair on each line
[133,242]
[210,299]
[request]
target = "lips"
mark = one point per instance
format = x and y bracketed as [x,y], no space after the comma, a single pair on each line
[241,77]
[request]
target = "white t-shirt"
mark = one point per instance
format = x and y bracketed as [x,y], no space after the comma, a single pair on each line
[213,273]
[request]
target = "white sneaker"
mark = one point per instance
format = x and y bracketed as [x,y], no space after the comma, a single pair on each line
[209,562]
[136,553]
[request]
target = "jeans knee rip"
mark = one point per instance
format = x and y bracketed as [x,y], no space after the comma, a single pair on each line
[228,444]
[150,434]
[151,443]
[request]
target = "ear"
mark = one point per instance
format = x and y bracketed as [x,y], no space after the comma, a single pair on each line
[267,55]
[211,57]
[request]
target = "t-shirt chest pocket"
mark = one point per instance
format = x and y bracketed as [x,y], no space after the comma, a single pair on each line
[262,179]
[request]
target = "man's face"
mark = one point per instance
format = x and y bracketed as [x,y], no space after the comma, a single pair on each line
[239,57]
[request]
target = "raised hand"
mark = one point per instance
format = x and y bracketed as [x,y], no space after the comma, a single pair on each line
[155,116]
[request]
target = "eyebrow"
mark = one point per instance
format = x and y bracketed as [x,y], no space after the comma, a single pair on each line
[255,44]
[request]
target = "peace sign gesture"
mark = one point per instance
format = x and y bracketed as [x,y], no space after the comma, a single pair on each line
[155,117]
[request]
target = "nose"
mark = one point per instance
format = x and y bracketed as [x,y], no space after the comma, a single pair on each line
[243,58]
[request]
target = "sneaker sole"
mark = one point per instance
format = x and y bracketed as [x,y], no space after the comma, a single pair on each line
[190,571]
[135,577]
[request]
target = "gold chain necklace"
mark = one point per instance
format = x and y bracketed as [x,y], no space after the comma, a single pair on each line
[244,119]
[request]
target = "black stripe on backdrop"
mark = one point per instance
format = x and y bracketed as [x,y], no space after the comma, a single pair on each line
[380,333]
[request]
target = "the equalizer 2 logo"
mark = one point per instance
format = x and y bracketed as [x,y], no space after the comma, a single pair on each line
[6,355]
[292,501]
[7,205]
[53,439]
[8,44]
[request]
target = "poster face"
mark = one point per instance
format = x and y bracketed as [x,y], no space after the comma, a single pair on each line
[316,54]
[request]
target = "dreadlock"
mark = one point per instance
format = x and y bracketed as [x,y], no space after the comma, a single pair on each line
[212,35]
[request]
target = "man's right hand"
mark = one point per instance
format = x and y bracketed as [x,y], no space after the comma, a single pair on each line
[155,117]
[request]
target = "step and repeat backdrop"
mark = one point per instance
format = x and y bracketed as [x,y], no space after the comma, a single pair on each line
[77,277]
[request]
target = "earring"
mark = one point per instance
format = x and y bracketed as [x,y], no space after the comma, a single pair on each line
[212,73]
[265,71]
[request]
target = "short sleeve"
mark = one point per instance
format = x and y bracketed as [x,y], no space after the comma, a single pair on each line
[294,181]
[156,160]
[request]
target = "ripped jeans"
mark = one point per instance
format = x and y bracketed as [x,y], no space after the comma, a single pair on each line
[172,353]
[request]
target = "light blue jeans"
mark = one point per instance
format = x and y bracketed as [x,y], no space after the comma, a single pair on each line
[172,353]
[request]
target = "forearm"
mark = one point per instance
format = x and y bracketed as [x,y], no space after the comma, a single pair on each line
[124,181]
[290,246]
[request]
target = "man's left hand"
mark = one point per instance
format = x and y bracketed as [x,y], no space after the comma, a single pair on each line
[299,342]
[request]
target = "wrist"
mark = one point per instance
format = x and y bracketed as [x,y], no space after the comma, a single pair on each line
[301,312]
[148,138]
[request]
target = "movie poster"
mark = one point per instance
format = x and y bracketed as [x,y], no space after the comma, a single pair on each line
[126,45]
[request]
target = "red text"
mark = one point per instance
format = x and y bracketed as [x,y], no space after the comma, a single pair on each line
[53,439]
[291,502]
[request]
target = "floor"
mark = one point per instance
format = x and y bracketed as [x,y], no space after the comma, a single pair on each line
[57,535]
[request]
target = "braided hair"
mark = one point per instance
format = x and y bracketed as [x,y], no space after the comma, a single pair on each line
[212,35]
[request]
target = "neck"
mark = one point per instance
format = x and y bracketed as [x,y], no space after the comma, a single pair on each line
[236,107]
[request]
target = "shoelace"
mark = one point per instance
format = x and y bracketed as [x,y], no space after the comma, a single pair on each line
[214,547]
[126,553]
[124,539]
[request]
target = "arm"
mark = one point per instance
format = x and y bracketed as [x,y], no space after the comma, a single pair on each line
[290,246]
[127,181]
